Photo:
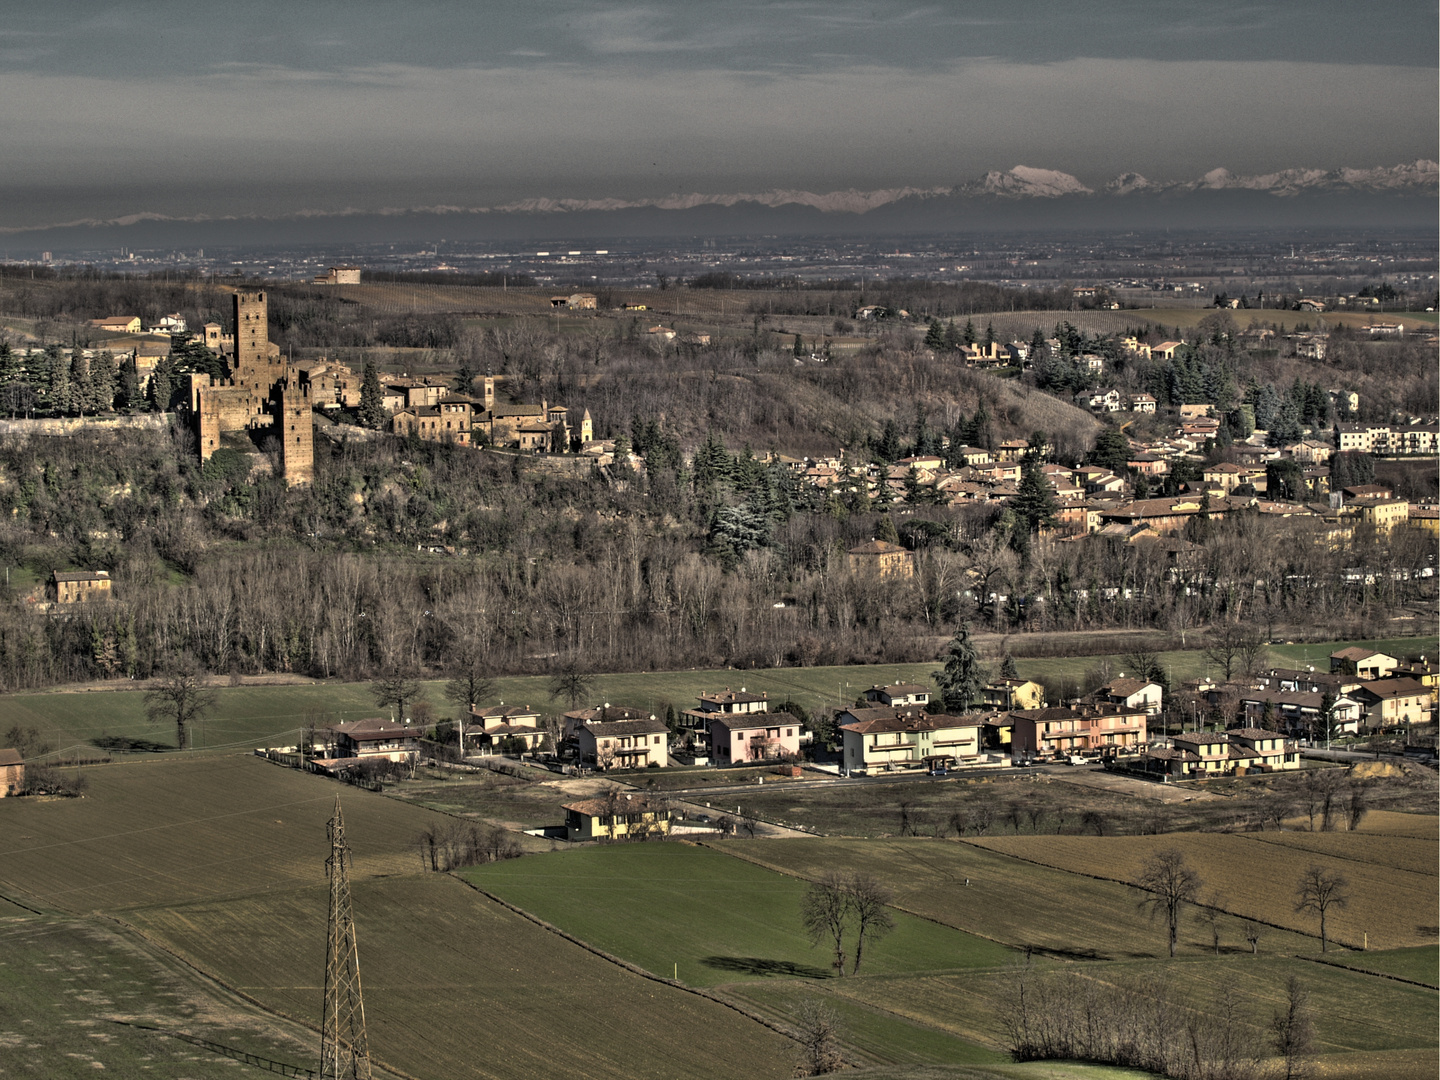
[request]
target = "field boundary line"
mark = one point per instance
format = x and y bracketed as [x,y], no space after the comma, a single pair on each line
[6,896]
[1345,858]
[1368,971]
[633,968]
[259,1061]
[174,954]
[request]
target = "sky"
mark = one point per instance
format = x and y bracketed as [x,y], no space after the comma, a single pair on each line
[250,107]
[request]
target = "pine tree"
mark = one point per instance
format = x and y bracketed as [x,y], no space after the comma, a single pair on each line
[102,383]
[1035,502]
[969,335]
[962,676]
[935,336]
[372,399]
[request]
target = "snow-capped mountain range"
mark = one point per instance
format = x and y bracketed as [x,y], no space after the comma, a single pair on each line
[1025,182]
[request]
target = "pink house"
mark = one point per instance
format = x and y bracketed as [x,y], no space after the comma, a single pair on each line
[737,738]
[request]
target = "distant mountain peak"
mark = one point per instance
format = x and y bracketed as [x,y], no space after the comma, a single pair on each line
[1025,182]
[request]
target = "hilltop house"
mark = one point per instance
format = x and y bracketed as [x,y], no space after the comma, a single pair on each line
[80,586]
[880,558]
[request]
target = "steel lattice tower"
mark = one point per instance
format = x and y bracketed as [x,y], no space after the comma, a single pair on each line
[344,1051]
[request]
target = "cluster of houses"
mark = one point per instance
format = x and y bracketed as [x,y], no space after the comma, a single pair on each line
[1095,499]
[434,412]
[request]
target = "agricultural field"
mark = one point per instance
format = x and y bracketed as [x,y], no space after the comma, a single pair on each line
[79,720]
[1051,911]
[64,984]
[718,919]
[456,985]
[1256,878]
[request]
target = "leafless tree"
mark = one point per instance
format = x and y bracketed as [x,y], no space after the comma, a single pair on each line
[818,1028]
[1359,803]
[180,698]
[1210,912]
[825,912]
[1254,931]
[1318,892]
[982,817]
[869,902]
[397,690]
[1235,647]
[470,682]
[1172,885]
[1293,1031]
[571,682]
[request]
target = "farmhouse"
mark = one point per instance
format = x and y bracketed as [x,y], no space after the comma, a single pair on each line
[80,587]
[12,772]
[616,816]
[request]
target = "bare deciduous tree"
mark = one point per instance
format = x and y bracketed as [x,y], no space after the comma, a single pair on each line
[1318,892]
[825,913]
[1254,931]
[397,690]
[869,901]
[181,698]
[1172,885]
[1211,909]
[818,1027]
[1293,1031]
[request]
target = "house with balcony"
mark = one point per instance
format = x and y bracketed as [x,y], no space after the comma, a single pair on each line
[639,743]
[905,738]
[737,739]
[899,695]
[504,727]
[1262,750]
[1004,694]
[1087,729]
[1212,749]
[372,739]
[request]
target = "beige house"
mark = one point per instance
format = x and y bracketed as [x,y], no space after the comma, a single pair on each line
[1130,694]
[617,816]
[880,558]
[1212,749]
[1395,702]
[907,738]
[119,324]
[499,725]
[1364,664]
[80,587]
[623,744]
[898,695]
[374,739]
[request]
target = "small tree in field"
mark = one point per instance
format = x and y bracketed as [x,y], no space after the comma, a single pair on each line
[1293,1031]
[825,912]
[1319,891]
[818,1026]
[869,902]
[180,698]
[1171,885]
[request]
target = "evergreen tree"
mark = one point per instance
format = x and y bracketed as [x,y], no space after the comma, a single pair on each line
[102,383]
[952,337]
[935,336]
[962,676]
[80,390]
[465,379]
[372,399]
[969,335]
[1039,349]
[60,392]
[1008,669]
[127,394]
[1034,504]
[1112,450]
[799,348]
[886,530]
[989,335]
[888,447]
[980,433]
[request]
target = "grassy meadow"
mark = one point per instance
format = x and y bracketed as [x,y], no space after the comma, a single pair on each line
[80,719]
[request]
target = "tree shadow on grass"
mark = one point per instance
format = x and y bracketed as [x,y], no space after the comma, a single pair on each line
[125,744]
[754,965]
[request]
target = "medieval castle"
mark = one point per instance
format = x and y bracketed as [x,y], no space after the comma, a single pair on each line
[262,391]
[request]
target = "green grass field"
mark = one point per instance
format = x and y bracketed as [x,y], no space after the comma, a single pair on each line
[1420,963]
[251,716]
[719,919]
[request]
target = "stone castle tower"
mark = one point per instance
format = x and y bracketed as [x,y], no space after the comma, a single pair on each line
[260,393]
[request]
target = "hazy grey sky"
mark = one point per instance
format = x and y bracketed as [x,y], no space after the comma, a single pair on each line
[185,108]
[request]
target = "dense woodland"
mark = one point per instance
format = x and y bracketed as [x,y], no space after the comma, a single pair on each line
[722,562]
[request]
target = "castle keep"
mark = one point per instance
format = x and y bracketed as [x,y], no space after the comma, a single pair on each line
[262,392]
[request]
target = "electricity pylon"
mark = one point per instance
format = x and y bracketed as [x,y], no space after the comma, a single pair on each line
[344,1052]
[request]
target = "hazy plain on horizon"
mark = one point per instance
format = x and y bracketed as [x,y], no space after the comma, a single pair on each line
[114,111]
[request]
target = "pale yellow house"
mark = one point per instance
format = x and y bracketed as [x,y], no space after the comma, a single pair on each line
[617,816]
